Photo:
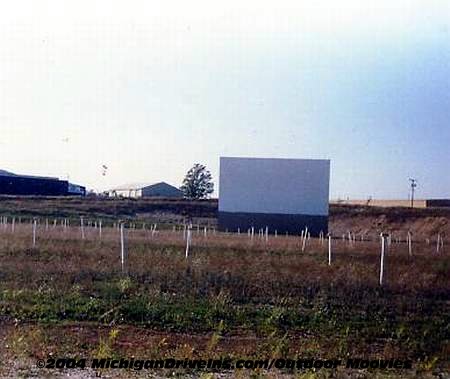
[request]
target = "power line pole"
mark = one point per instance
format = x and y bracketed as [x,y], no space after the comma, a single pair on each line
[413,187]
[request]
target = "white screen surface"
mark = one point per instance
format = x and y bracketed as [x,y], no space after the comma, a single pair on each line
[282,186]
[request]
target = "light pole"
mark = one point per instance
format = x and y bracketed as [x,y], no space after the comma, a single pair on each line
[413,187]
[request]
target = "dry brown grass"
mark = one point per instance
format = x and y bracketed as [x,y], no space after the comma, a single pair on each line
[269,297]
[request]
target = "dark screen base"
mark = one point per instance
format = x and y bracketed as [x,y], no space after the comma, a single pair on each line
[282,223]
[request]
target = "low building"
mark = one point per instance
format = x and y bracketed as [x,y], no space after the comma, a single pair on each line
[76,190]
[161,189]
[418,203]
[25,185]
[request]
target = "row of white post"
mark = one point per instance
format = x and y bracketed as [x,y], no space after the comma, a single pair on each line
[188,229]
[386,239]
[263,233]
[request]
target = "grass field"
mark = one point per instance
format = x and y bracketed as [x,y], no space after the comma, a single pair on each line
[370,221]
[232,297]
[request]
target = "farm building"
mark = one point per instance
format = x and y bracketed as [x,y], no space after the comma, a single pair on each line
[284,195]
[161,189]
[75,189]
[23,185]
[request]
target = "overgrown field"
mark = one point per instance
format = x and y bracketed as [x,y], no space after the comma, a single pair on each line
[232,296]
[369,221]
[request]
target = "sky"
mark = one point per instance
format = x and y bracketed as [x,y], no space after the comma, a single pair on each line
[148,88]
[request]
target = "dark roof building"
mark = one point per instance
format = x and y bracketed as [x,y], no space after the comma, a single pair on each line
[23,185]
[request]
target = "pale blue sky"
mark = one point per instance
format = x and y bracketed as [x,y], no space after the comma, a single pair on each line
[149,88]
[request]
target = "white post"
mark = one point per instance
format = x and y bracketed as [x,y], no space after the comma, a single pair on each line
[188,241]
[267,234]
[122,248]
[13,225]
[329,249]
[34,232]
[252,233]
[438,243]
[205,232]
[82,227]
[409,243]
[100,229]
[384,237]
[304,239]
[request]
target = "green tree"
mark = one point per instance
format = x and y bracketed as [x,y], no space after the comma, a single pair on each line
[197,183]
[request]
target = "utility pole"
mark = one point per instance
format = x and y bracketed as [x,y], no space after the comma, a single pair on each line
[413,187]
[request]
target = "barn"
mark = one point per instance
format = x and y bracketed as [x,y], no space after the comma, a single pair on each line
[25,185]
[284,195]
[161,189]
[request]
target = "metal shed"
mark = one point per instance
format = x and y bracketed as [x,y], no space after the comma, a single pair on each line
[161,189]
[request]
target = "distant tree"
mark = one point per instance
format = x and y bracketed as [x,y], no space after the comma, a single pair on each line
[197,183]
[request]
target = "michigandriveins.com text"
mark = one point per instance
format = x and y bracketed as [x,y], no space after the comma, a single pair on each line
[222,364]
